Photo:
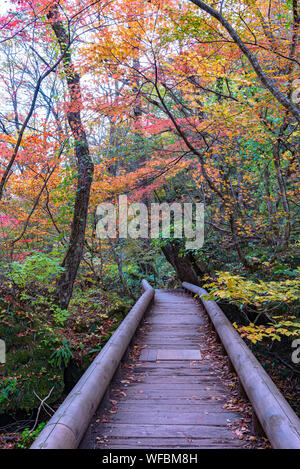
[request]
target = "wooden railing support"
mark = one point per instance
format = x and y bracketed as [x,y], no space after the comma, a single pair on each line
[67,426]
[276,417]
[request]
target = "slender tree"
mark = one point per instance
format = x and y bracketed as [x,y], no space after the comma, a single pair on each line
[84,162]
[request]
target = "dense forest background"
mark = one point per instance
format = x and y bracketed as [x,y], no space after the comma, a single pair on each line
[164,101]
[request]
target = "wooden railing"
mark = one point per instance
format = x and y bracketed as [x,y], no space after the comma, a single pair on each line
[67,426]
[278,420]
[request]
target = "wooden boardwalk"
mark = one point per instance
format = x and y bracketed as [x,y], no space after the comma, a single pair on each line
[166,394]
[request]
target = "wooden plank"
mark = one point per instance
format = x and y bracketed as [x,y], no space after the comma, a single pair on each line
[168,367]
[151,354]
[159,339]
[159,373]
[181,399]
[183,322]
[169,407]
[172,431]
[161,334]
[173,345]
[184,354]
[174,389]
[160,401]
[186,380]
[173,365]
[169,444]
[189,329]
[148,355]
[150,416]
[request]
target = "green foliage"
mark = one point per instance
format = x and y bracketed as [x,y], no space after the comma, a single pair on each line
[39,267]
[59,315]
[30,341]
[62,355]
[7,388]
[280,269]
[29,436]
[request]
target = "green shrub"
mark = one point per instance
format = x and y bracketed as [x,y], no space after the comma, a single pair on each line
[62,355]
[29,436]
[7,388]
[39,267]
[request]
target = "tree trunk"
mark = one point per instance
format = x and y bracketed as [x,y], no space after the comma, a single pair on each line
[182,264]
[85,168]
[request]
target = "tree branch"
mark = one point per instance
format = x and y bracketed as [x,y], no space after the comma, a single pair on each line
[265,80]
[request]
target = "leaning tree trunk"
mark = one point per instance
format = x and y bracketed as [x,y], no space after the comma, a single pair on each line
[85,168]
[182,264]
